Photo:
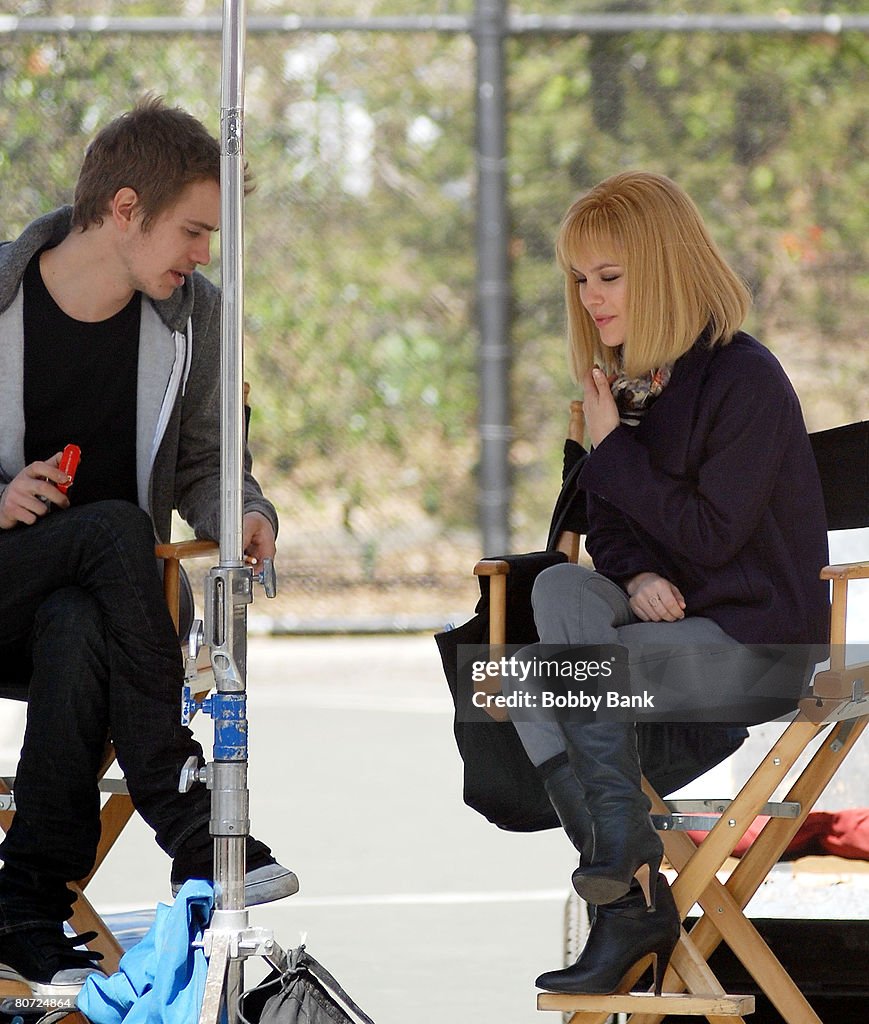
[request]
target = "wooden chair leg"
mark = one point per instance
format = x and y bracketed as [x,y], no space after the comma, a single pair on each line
[806,790]
[15,989]
[753,868]
[85,918]
[719,844]
[5,816]
[723,905]
[116,812]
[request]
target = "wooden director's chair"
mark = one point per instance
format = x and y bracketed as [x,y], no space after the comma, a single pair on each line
[836,710]
[118,808]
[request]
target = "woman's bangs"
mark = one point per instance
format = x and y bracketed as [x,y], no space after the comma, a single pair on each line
[588,233]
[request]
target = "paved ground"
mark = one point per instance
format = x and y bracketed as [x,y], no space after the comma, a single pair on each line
[423,910]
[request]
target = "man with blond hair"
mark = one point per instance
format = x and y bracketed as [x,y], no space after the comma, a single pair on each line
[109,339]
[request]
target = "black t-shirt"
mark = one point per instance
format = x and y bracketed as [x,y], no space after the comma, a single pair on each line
[80,383]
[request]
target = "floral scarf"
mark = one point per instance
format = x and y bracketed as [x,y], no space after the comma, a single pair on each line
[634,396]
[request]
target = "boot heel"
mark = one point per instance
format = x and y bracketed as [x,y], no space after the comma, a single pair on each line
[647,877]
[662,962]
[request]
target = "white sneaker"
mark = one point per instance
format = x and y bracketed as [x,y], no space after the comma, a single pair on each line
[264,884]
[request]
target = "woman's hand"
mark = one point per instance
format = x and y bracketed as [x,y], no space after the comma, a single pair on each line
[32,492]
[599,406]
[654,599]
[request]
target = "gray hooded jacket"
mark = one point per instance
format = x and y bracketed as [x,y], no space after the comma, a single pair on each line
[178,392]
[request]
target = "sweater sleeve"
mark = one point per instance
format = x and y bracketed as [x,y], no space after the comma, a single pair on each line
[748,413]
[615,547]
[197,479]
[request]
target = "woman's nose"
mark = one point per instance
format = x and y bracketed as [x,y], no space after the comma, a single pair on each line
[591,296]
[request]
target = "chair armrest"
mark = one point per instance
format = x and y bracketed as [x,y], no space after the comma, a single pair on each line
[187,549]
[498,570]
[848,571]
[492,567]
[840,576]
[172,555]
[841,687]
[838,693]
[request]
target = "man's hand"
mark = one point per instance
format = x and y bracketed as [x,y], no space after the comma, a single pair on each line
[599,406]
[654,599]
[258,537]
[22,501]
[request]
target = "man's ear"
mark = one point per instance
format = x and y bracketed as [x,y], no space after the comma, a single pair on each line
[125,207]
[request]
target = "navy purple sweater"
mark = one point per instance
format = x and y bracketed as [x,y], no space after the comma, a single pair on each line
[717,491]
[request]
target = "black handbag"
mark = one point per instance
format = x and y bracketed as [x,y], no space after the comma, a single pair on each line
[499,781]
[303,993]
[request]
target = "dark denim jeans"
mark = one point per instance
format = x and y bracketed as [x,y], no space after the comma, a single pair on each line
[86,638]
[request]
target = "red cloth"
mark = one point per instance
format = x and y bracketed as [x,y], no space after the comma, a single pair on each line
[838,833]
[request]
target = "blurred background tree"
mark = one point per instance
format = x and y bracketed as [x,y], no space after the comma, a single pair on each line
[361,344]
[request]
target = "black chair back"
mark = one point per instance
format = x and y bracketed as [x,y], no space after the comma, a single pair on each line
[842,455]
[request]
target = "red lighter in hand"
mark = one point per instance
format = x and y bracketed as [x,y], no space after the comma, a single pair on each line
[69,461]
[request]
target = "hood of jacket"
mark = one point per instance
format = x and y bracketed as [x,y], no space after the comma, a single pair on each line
[50,230]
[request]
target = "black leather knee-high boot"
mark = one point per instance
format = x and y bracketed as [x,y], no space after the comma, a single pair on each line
[568,799]
[604,757]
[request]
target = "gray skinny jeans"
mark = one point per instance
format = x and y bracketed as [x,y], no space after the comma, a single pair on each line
[711,672]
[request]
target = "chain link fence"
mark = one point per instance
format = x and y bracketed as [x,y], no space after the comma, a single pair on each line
[361,345]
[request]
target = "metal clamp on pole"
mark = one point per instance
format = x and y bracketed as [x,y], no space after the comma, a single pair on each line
[195,642]
[268,578]
[228,591]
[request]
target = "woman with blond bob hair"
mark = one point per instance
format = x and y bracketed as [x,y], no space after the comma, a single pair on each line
[707,534]
[679,284]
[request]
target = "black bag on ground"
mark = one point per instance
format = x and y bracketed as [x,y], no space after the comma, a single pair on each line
[304,993]
[499,781]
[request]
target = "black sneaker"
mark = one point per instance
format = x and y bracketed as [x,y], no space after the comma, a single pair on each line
[47,960]
[264,880]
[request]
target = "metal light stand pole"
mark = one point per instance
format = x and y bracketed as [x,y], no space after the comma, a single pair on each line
[228,591]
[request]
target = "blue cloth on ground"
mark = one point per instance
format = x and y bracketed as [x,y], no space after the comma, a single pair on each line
[162,979]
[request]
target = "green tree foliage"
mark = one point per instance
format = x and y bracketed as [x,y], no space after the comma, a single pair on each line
[361,345]
[767,133]
[361,237]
